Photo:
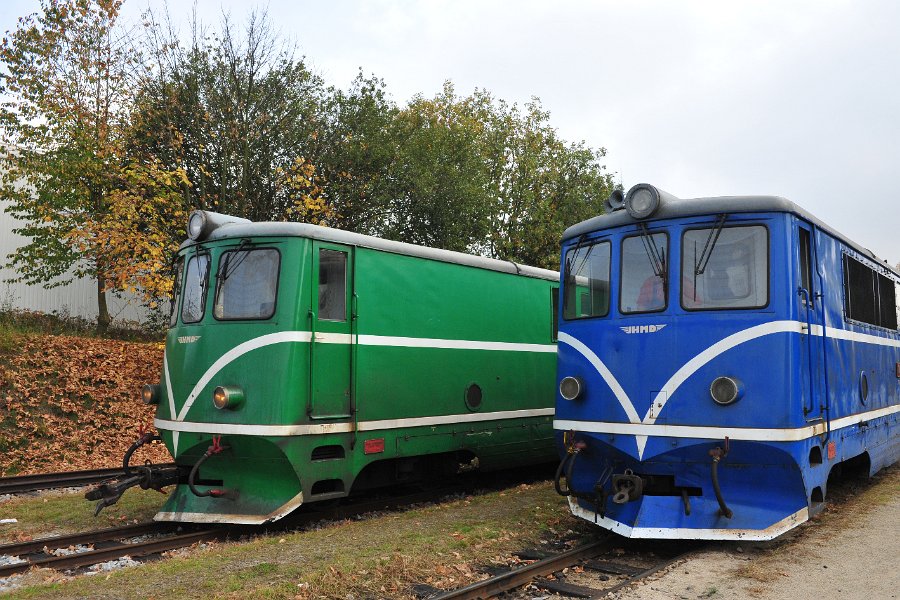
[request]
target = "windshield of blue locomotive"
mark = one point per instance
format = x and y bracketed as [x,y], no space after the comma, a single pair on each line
[645,305]
[734,274]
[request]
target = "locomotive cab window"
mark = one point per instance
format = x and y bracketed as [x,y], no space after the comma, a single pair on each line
[643,284]
[247,284]
[196,276]
[805,263]
[332,285]
[586,281]
[176,292]
[725,268]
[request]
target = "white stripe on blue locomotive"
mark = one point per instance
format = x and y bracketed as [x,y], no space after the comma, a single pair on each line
[642,428]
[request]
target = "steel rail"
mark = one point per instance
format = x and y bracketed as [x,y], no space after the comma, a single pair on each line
[89,537]
[44,481]
[512,579]
[92,557]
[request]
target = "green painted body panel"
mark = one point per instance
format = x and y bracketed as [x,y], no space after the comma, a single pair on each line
[323,373]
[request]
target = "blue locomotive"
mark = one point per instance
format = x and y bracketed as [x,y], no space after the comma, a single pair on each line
[718,359]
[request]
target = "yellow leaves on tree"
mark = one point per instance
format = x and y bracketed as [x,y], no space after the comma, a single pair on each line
[298,183]
[140,232]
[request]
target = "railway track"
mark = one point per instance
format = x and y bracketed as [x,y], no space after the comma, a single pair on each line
[99,546]
[45,481]
[603,567]
[81,550]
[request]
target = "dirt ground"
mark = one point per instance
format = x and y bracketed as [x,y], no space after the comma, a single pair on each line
[851,551]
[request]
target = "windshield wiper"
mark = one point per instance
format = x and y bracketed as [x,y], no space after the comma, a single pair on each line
[713,237]
[655,255]
[224,271]
[702,261]
[567,268]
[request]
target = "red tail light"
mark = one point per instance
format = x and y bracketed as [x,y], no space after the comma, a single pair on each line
[373,446]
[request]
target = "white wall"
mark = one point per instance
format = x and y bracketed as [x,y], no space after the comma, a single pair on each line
[78,299]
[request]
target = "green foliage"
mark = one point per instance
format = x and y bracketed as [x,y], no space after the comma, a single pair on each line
[114,138]
[237,110]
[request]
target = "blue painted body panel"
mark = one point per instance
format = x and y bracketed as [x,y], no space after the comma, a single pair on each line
[801,392]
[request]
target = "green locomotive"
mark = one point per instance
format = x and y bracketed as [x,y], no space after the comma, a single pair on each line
[303,362]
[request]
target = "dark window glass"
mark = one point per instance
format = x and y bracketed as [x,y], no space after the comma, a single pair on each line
[860,295]
[897,312]
[554,306]
[586,285]
[176,292]
[887,302]
[805,263]
[643,285]
[247,284]
[196,276]
[332,285]
[733,274]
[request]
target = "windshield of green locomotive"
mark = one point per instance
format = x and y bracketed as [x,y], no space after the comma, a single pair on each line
[247,284]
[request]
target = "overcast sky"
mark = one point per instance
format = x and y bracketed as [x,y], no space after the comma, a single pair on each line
[791,98]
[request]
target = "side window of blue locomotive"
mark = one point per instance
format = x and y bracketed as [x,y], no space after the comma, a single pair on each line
[643,284]
[733,274]
[176,292]
[196,276]
[247,284]
[586,285]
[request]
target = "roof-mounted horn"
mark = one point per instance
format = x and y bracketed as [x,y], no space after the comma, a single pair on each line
[616,201]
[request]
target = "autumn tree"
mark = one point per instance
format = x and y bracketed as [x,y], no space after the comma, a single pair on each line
[237,111]
[69,80]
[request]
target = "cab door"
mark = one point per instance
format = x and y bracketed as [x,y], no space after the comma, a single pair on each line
[331,345]
[810,308]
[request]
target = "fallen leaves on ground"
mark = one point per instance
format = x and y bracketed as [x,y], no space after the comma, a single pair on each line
[70,403]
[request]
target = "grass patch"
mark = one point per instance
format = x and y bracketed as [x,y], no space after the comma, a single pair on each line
[57,514]
[19,322]
[381,556]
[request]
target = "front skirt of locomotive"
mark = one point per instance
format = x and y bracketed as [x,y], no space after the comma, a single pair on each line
[761,484]
[252,479]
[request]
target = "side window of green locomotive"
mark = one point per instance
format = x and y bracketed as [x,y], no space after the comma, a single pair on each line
[247,285]
[196,276]
[332,285]
[176,292]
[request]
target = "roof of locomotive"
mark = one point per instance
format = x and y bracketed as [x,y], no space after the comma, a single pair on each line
[327,234]
[695,207]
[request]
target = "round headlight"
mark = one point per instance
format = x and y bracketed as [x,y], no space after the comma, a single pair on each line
[196,224]
[726,390]
[227,396]
[150,394]
[642,201]
[570,387]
